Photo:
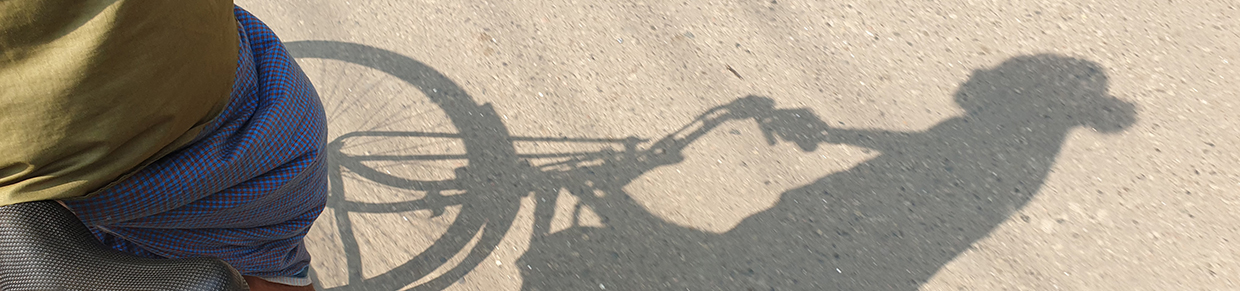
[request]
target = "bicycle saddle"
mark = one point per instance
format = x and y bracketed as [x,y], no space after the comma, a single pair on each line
[43,246]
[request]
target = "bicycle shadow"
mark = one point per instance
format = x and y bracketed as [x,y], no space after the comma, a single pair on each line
[887,224]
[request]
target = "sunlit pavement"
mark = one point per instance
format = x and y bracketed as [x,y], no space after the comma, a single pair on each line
[764,145]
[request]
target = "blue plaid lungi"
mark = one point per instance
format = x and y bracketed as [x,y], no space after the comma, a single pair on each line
[246,190]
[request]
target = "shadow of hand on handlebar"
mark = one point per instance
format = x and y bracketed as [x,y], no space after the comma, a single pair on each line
[797,125]
[800,126]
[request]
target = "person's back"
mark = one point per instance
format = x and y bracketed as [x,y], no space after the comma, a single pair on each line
[89,90]
[171,128]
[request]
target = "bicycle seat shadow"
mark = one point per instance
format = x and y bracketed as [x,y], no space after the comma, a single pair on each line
[43,246]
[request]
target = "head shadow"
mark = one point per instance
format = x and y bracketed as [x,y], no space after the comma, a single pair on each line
[1046,89]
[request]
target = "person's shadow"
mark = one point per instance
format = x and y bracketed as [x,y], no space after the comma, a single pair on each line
[887,224]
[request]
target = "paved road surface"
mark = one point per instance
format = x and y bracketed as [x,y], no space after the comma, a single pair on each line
[775,145]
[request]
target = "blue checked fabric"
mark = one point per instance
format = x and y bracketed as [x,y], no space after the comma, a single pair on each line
[246,190]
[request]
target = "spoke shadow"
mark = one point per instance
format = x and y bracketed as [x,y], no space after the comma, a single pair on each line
[483,220]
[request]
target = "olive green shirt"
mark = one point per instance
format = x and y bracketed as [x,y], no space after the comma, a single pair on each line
[92,90]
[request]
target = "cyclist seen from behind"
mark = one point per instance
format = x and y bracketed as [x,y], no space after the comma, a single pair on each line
[172,129]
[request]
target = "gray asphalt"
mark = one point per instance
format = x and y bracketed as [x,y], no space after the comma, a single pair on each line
[774,145]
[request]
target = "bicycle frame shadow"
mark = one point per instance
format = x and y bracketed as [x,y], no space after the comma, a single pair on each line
[887,224]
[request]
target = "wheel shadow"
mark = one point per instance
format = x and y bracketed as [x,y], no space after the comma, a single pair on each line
[886,224]
[482,221]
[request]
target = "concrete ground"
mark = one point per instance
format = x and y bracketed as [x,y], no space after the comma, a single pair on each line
[774,145]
